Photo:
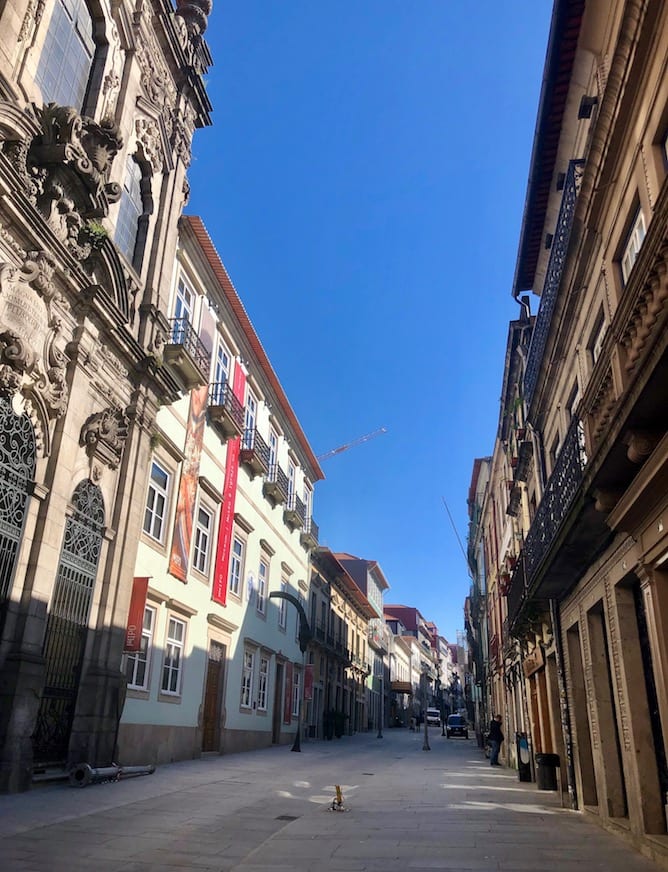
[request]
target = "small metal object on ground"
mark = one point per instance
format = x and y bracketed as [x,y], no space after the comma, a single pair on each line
[84,774]
[337,802]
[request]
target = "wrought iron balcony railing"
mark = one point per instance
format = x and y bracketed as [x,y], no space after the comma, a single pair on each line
[555,268]
[310,533]
[295,511]
[254,451]
[181,332]
[185,354]
[276,484]
[226,412]
[560,492]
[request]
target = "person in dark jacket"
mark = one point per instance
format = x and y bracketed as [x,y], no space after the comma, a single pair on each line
[495,740]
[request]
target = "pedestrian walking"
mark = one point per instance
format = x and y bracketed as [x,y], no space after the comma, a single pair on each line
[495,740]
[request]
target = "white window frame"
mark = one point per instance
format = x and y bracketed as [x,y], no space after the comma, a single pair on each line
[292,475]
[172,662]
[296,690]
[202,540]
[250,412]
[235,579]
[263,684]
[633,245]
[273,447]
[221,368]
[283,607]
[308,501]
[154,494]
[262,586]
[143,656]
[184,301]
[247,676]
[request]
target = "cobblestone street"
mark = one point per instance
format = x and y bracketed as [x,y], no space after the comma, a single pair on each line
[271,810]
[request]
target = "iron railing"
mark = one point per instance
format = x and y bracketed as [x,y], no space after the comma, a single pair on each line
[312,529]
[252,441]
[297,506]
[555,268]
[222,395]
[181,332]
[561,490]
[279,478]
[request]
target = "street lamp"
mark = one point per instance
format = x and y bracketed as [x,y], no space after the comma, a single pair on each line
[425,744]
[382,696]
[305,636]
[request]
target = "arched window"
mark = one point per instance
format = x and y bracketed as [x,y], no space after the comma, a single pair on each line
[67,54]
[67,622]
[130,210]
[17,470]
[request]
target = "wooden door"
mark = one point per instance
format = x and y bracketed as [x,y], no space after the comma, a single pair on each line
[213,692]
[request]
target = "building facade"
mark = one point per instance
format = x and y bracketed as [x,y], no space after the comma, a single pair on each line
[98,105]
[227,522]
[586,597]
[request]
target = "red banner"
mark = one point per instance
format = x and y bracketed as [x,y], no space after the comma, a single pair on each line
[185,508]
[287,696]
[308,682]
[220,576]
[136,615]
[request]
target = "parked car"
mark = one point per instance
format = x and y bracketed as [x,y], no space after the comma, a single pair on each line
[433,717]
[457,726]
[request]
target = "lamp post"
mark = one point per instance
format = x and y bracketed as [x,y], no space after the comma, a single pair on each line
[425,744]
[382,696]
[305,636]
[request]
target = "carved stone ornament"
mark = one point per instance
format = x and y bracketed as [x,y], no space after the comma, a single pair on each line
[66,170]
[104,435]
[31,363]
[150,142]
[195,13]
[640,444]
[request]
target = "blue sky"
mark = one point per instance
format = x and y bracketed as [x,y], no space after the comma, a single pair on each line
[363,182]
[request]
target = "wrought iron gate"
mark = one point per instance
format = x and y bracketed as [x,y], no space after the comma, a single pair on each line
[17,470]
[67,624]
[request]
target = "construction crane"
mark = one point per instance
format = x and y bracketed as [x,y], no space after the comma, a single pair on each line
[348,445]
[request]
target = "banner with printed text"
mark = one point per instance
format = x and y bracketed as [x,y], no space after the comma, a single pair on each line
[135,622]
[220,576]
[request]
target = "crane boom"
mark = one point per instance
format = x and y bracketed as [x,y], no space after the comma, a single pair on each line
[354,442]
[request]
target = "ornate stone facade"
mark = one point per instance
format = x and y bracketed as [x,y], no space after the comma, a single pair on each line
[81,337]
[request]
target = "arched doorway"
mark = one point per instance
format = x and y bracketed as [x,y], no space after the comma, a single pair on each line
[67,624]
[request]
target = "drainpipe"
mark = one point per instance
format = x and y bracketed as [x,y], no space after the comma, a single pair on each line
[564,705]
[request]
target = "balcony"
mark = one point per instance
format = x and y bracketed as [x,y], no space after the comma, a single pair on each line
[555,267]
[225,411]
[254,452]
[185,355]
[309,535]
[565,536]
[319,632]
[276,485]
[294,514]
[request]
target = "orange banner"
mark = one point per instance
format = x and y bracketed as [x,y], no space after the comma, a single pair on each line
[136,615]
[185,507]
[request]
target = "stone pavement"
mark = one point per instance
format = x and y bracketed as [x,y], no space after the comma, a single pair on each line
[405,809]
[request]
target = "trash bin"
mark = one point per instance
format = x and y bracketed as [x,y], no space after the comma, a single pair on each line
[523,757]
[546,771]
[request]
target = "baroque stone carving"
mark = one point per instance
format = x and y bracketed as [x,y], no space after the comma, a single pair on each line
[104,435]
[31,363]
[195,13]
[67,169]
[150,141]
